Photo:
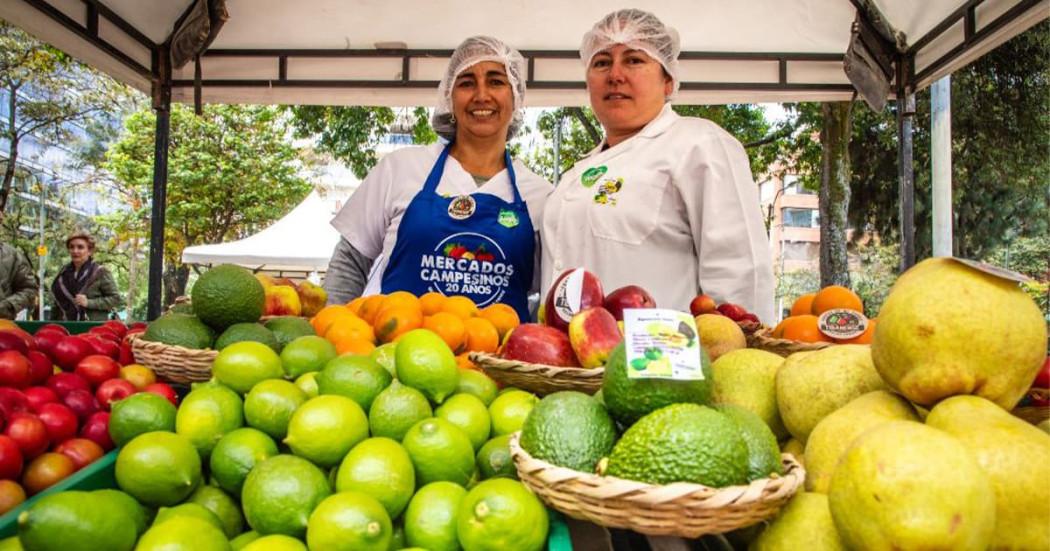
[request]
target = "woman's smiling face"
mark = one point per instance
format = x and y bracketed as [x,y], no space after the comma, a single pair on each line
[483,101]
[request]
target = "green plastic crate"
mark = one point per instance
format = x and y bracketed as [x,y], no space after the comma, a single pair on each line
[96,476]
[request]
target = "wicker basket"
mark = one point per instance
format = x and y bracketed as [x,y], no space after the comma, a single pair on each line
[679,509]
[1033,414]
[762,340]
[537,378]
[173,364]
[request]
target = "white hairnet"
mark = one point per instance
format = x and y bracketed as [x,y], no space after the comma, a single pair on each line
[470,52]
[638,30]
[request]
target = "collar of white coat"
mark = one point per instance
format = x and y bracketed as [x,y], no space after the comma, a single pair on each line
[657,126]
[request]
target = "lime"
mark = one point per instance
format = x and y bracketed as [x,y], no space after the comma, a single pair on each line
[250,331]
[397,536]
[307,382]
[359,378]
[242,541]
[235,456]
[14,544]
[426,363]
[138,414]
[280,493]
[183,533]
[124,507]
[494,459]
[270,405]
[194,510]
[350,521]
[325,428]
[242,365]
[276,542]
[478,384]
[222,505]
[500,514]
[509,411]
[287,328]
[64,520]
[396,409]
[469,413]
[439,451]
[384,356]
[381,468]
[306,354]
[158,468]
[207,413]
[430,520]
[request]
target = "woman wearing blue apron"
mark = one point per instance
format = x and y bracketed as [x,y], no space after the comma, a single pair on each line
[457,219]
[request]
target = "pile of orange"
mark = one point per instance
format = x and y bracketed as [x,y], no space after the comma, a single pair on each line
[359,326]
[801,325]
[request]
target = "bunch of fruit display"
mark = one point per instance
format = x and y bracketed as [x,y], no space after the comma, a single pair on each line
[803,325]
[56,394]
[285,297]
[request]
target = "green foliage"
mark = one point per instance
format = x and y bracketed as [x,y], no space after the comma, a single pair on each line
[875,274]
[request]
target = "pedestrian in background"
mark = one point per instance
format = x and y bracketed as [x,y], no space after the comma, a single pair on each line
[18,283]
[83,290]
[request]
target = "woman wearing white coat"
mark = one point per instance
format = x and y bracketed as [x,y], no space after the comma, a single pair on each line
[665,202]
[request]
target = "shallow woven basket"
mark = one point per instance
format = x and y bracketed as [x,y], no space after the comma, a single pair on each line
[762,340]
[1033,414]
[680,509]
[173,364]
[538,378]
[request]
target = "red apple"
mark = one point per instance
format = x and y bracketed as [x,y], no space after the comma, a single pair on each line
[1042,379]
[751,317]
[46,341]
[127,355]
[103,345]
[96,429]
[37,396]
[137,326]
[82,403]
[40,367]
[70,350]
[113,390]
[26,337]
[631,296]
[117,326]
[60,421]
[106,332]
[573,291]
[82,451]
[594,334]
[12,401]
[52,327]
[539,344]
[97,369]
[64,383]
[14,369]
[10,458]
[165,391]
[12,342]
[702,304]
[732,311]
[29,432]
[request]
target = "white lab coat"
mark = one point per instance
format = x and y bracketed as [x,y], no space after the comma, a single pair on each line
[371,217]
[674,210]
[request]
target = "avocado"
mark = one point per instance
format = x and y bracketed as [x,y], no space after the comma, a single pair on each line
[682,443]
[227,294]
[630,399]
[239,332]
[67,520]
[763,453]
[569,429]
[288,328]
[180,330]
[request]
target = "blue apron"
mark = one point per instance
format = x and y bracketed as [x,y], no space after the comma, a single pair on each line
[477,245]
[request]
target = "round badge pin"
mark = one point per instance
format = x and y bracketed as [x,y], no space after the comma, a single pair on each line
[461,207]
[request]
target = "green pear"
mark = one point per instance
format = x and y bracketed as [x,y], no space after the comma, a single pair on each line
[804,523]
[747,378]
[811,386]
[904,485]
[948,329]
[834,434]
[1016,456]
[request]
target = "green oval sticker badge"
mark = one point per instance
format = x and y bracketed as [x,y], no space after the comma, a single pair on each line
[591,175]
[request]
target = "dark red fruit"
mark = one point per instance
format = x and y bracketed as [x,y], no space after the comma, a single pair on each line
[63,383]
[82,403]
[46,341]
[96,429]
[70,350]
[97,369]
[113,390]
[40,367]
[52,327]
[165,391]
[11,341]
[732,311]
[60,421]
[10,458]
[14,369]
[29,432]
[12,401]
[37,396]
[82,451]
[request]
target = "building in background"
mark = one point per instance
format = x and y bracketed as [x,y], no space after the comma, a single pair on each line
[793,218]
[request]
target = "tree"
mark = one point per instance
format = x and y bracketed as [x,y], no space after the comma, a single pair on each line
[230,172]
[834,193]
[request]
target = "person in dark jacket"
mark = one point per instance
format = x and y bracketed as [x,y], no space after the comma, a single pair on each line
[18,283]
[83,290]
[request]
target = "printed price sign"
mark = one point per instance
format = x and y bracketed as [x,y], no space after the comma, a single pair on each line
[661,344]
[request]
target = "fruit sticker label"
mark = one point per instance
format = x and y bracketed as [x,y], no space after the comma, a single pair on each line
[508,218]
[661,344]
[462,207]
[607,191]
[591,175]
[568,295]
[842,323]
[995,271]
[469,264]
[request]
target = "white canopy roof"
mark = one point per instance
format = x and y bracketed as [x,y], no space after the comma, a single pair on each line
[392,52]
[302,241]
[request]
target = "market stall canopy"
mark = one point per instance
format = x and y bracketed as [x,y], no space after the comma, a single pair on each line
[392,52]
[302,241]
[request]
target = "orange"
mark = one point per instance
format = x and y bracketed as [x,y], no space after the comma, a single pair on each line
[863,338]
[8,324]
[778,331]
[803,305]
[355,305]
[460,306]
[803,328]
[400,299]
[502,316]
[836,296]
[350,327]
[370,307]
[355,346]
[463,362]
[395,321]
[481,335]
[324,319]
[449,327]
[431,303]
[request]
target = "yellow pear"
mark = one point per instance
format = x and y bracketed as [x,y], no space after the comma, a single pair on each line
[747,378]
[804,523]
[719,334]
